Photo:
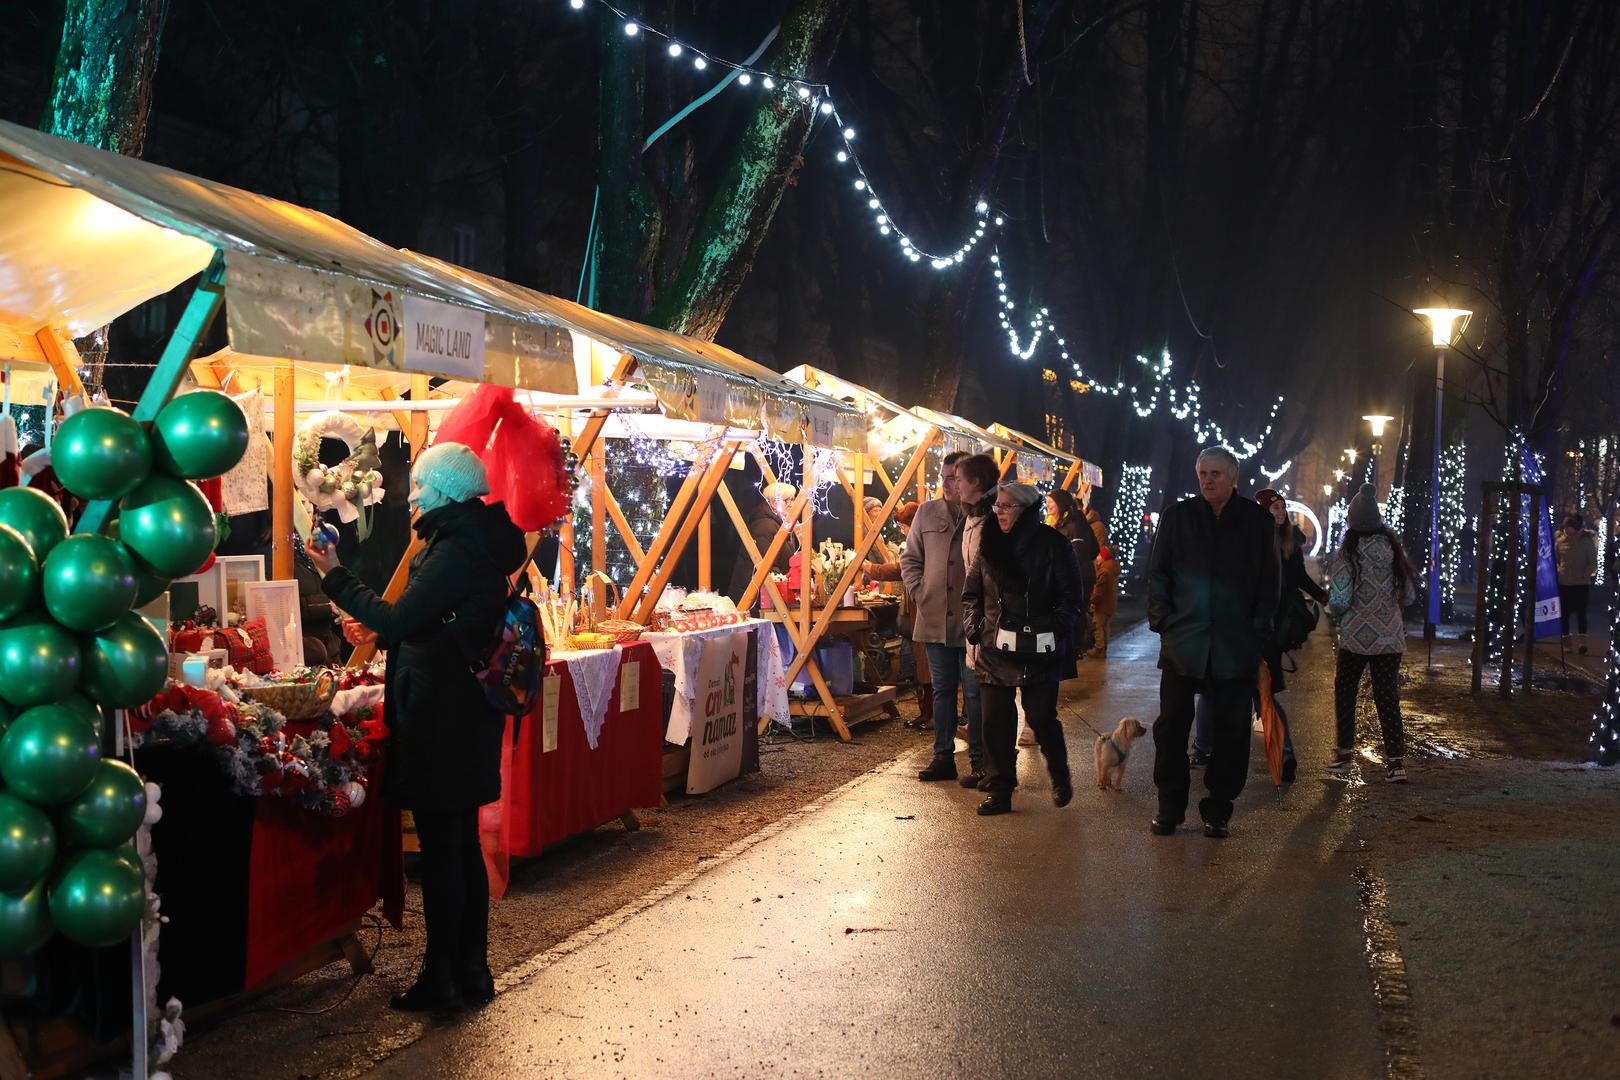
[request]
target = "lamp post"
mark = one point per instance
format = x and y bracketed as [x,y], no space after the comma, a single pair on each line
[1444,326]
[1378,423]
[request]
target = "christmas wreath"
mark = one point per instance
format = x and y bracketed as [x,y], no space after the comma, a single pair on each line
[348,487]
[324,770]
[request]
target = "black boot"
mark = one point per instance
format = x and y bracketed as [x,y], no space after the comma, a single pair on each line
[975,776]
[477,987]
[431,992]
[1062,792]
[941,768]
[998,802]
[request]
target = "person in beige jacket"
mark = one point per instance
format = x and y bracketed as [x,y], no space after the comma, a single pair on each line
[933,571]
[1577,570]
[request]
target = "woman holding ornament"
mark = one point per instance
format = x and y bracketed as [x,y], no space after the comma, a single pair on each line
[445,745]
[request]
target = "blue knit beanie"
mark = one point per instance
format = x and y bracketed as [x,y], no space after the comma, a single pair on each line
[447,473]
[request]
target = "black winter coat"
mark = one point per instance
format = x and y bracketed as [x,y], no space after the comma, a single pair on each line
[763,525]
[1034,564]
[1294,578]
[1086,550]
[444,744]
[1213,587]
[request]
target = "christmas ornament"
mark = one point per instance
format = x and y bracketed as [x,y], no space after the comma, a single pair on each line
[338,487]
[39,661]
[101,453]
[168,525]
[124,665]
[19,572]
[89,582]
[97,899]
[49,755]
[36,515]
[199,435]
[27,844]
[110,809]
[25,921]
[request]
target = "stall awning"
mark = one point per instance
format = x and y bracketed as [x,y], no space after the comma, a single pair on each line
[963,434]
[86,235]
[1089,473]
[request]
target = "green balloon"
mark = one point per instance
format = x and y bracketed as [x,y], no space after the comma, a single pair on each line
[19,572]
[25,922]
[130,854]
[27,844]
[97,898]
[168,524]
[148,586]
[125,664]
[84,707]
[109,811]
[39,661]
[199,435]
[36,515]
[49,755]
[100,453]
[89,582]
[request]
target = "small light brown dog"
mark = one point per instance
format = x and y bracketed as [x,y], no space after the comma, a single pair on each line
[1113,749]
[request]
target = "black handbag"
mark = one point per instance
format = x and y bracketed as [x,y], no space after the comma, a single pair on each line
[1296,622]
[1026,634]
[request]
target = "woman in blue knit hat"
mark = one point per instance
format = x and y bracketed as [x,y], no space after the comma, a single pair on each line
[444,746]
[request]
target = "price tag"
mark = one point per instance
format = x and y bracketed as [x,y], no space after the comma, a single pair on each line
[551,697]
[630,686]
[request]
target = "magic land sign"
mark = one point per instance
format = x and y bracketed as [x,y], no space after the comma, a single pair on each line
[717,736]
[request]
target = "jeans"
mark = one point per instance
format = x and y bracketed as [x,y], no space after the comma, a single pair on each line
[1228,770]
[1001,723]
[455,893]
[1572,602]
[1386,674]
[948,669]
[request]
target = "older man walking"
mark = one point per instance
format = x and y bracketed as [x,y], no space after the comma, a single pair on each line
[1212,594]
[933,571]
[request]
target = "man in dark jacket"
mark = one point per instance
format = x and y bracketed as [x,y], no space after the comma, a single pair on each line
[1212,597]
[444,746]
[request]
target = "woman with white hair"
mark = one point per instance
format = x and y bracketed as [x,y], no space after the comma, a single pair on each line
[1022,604]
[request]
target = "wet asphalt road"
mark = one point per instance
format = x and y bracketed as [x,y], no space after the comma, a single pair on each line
[890,932]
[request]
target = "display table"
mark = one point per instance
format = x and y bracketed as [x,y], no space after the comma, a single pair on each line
[854,623]
[554,783]
[252,884]
[680,655]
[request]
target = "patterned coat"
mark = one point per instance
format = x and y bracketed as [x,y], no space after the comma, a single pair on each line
[1366,603]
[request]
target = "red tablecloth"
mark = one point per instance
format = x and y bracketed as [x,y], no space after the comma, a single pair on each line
[551,795]
[311,875]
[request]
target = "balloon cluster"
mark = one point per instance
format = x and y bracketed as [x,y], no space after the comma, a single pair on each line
[71,646]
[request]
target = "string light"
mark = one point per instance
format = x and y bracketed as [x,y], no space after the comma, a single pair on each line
[1453,517]
[1125,526]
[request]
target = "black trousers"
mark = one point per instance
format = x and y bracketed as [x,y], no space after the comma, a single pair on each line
[1572,602]
[455,892]
[1386,689]
[1231,701]
[1001,732]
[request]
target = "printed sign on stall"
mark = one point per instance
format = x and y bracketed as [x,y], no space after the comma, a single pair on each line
[717,736]
[443,339]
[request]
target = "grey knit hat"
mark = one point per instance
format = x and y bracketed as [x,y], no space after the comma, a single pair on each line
[1025,495]
[1364,515]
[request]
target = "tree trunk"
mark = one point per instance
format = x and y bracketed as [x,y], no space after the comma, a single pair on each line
[736,217]
[102,94]
[950,299]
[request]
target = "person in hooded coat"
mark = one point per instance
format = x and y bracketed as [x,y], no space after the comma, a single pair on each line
[444,746]
[1025,575]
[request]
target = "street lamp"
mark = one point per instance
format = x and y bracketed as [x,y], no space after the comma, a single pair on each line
[1445,324]
[1378,423]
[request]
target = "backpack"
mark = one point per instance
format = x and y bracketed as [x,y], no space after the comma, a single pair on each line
[511,667]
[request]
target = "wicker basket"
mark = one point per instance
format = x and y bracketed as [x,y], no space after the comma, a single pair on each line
[622,631]
[296,701]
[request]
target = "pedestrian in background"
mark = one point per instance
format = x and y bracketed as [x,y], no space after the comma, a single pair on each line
[1022,610]
[1370,582]
[933,572]
[1104,599]
[976,479]
[1577,570]
[1067,516]
[1296,580]
[1212,596]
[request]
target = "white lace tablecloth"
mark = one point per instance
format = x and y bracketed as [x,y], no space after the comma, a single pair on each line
[679,653]
[593,672]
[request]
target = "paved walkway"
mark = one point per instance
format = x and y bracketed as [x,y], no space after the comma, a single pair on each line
[890,932]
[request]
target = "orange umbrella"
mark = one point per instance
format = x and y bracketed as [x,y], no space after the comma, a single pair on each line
[1271,725]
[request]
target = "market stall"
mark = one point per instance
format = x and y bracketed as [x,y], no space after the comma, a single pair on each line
[1078,475]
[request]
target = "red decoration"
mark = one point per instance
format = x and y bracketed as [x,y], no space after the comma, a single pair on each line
[524,459]
[214,491]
